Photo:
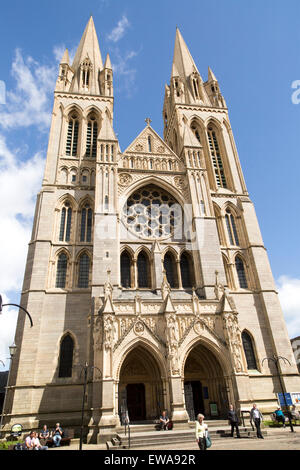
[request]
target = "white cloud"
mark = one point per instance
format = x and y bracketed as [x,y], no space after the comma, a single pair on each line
[125,74]
[59,51]
[29,103]
[8,321]
[118,32]
[289,295]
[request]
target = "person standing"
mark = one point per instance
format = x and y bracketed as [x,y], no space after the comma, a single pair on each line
[257,417]
[201,430]
[57,435]
[233,421]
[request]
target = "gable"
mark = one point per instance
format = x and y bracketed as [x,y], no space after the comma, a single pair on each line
[158,145]
[153,155]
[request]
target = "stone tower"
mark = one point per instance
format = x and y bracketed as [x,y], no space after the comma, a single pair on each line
[147,264]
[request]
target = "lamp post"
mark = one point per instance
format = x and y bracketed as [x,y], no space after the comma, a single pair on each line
[85,370]
[275,359]
[18,306]
[12,350]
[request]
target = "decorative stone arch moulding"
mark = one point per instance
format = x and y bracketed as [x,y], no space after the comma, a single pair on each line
[154,348]
[220,351]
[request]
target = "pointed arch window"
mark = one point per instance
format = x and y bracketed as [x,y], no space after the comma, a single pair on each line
[91,137]
[86,224]
[249,351]
[143,270]
[125,270]
[149,144]
[231,228]
[61,273]
[84,271]
[185,270]
[241,273]
[72,135]
[170,268]
[86,68]
[216,158]
[196,132]
[66,357]
[65,223]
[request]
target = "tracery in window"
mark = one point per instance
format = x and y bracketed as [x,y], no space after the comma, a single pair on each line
[216,157]
[240,269]
[151,212]
[72,135]
[65,223]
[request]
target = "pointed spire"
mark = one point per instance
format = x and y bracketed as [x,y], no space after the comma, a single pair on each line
[183,61]
[88,55]
[107,64]
[88,47]
[211,76]
[66,58]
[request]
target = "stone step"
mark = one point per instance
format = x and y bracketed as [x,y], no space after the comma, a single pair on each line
[163,438]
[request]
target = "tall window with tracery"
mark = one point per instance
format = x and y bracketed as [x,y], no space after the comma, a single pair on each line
[84,271]
[66,357]
[231,228]
[185,270]
[143,270]
[61,272]
[170,268]
[216,158]
[241,273]
[65,223]
[86,224]
[249,351]
[125,270]
[72,135]
[91,137]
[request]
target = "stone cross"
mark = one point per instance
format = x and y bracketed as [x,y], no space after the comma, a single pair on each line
[148,121]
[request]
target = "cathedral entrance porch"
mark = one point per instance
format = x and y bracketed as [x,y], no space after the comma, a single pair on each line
[140,387]
[205,389]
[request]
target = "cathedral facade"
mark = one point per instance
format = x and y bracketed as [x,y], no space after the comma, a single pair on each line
[146,265]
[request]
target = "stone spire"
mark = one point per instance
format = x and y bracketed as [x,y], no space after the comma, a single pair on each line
[87,62]
[183,62]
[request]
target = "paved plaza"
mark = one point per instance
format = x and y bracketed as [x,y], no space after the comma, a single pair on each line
[277,439]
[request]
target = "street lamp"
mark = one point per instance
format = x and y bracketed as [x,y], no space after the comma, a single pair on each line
[12,350]
[275,359]
[85,370]
[18,306]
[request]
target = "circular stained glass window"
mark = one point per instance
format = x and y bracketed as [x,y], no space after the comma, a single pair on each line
[151,212]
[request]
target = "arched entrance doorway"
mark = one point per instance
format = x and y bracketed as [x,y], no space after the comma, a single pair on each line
[140,386]
[205,388]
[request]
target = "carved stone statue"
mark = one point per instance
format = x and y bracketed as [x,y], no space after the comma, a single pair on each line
[108,331]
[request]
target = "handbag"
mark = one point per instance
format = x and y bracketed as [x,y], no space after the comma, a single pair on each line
[207,440]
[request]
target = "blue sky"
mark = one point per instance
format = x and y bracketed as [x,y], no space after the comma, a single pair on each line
[252,47]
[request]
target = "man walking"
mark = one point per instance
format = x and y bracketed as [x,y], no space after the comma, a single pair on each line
[233,421]
[257,417]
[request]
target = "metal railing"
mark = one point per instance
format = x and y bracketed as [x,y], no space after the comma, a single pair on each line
[127,426]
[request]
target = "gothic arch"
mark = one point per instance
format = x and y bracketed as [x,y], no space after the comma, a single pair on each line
[156,181]
[66,198]
[71,108]
[218,351]
[146,344]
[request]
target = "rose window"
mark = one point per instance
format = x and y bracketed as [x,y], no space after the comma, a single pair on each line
[151,212]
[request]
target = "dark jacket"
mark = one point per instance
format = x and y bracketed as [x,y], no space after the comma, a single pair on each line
[232,416]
